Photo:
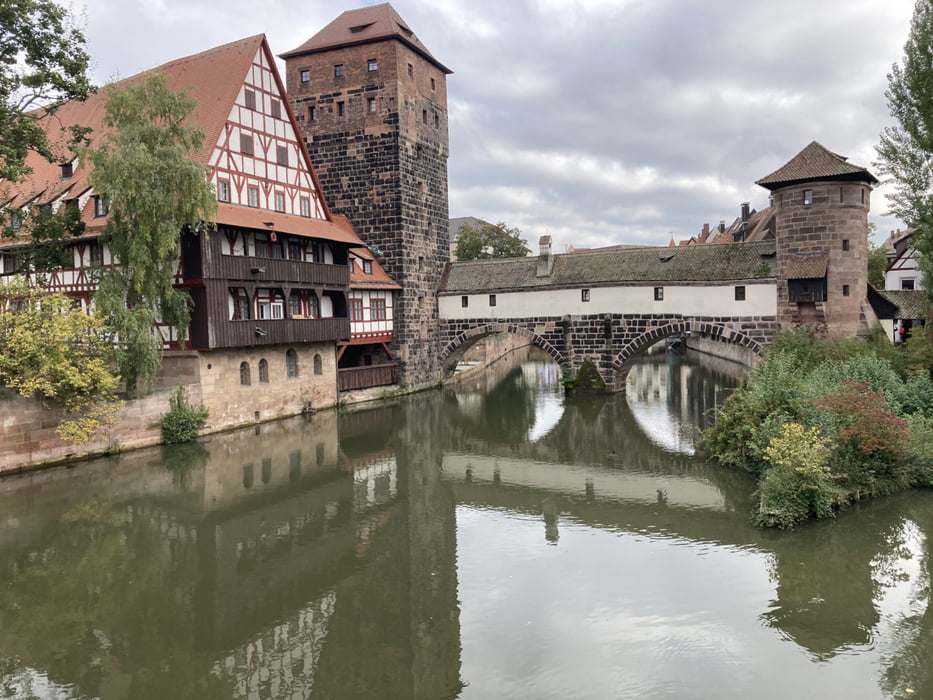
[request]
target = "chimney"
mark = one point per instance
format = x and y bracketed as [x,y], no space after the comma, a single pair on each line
[744,212]
[545,259]
[722,226]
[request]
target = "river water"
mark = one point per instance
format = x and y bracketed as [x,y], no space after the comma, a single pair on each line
[487,541]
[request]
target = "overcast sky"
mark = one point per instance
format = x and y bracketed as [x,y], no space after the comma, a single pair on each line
[594,121]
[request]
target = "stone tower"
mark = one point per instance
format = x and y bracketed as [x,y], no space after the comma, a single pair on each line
[371,102]
[821,204]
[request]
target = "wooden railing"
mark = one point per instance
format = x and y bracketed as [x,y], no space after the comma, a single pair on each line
[352,378]
[232,334]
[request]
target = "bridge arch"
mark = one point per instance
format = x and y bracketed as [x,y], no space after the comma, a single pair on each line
[463,341]
[711,330]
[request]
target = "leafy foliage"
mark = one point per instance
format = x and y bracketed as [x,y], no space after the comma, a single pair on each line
[855,396]
[43,62]
[154,189]
[59,355]
[799,483]
[183,421]
[905,150]
[490,241]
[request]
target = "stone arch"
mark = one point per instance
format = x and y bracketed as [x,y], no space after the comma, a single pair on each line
[624,359]
[463,341]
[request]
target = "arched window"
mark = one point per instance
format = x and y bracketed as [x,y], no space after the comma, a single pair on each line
[244,374]
[263,371]
[291,363]
[318,365]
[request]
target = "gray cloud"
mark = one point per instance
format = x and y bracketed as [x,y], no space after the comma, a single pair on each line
[597,121]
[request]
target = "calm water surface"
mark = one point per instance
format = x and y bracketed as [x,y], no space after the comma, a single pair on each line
[492,541]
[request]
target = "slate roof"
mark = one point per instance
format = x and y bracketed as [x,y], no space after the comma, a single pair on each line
[807,267]
[815,162]
[740,261]
[910,304]
[365,26]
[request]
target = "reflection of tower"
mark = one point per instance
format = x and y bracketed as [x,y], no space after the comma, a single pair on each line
[821,205]
[371,102]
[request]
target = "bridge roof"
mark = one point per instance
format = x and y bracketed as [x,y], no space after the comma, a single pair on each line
[703,263]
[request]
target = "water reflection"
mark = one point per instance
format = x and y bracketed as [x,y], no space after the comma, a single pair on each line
[493,541]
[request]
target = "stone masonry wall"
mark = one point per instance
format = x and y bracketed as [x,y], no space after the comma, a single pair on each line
[27,430]
[838,214]
[383,165]
[610,341]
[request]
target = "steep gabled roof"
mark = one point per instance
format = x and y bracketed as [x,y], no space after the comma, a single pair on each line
[815,162]
[365,26]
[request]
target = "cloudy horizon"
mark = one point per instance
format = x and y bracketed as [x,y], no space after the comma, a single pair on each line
[594,121]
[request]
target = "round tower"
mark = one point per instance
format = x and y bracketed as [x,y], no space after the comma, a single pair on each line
[821,205]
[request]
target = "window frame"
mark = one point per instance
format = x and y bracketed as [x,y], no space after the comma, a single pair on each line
[304,75]
[246,144]
[378,309]
[338,70]
[659,293]
[584,295]
[740,292]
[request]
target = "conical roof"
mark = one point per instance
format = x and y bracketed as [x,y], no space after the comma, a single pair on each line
[815,162]
[365,26]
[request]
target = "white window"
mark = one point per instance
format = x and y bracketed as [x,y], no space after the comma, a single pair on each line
[305,204]
[223,191]
[279,201]
[807,198]
[252,194]
[373,64]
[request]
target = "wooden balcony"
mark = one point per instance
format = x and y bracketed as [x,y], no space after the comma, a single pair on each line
[232,334]
[271,270]
[353,378]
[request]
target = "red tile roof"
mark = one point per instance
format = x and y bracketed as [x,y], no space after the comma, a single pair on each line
[365,26]
[377,280]
[250,217]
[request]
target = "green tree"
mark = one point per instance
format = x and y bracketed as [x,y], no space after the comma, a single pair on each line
[59,355]
[43,63]
[155,188]
[905,151]
[490,241]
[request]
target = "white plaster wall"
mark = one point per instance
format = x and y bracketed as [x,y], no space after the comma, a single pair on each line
[688,300]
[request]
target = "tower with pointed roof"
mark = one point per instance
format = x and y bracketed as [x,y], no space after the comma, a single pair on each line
[371,102]
[821,206]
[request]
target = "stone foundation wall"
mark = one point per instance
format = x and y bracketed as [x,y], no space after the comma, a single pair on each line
[27,430]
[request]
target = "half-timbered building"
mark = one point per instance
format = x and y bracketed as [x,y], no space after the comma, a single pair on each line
[269,282]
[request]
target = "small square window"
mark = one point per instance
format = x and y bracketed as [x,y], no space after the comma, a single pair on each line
[907,284]
[492,299]
[341,109]
[279,201]
[845,243]
[373,64]
[246,144]
[584,295]
[338,70]
[659,293]
[845,290]
[464,302]
[68,170]
[250,98]
[281,155]
[371,105]
[252,194]
[807,198]
[275,109]
[305,76]
[740,293]
[223,191]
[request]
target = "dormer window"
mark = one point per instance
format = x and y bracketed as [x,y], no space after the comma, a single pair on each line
[367,267]
[67,170]
[100,206]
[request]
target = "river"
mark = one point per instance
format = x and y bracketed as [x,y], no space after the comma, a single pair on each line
[491,540]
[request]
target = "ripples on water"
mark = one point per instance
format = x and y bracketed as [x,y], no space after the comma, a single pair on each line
[493,541]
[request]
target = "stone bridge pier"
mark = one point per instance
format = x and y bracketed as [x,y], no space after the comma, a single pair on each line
[610,341]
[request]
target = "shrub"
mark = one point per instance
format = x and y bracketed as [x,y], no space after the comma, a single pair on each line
[920,451]
[798,483]
[183,421]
